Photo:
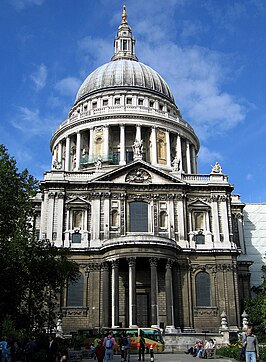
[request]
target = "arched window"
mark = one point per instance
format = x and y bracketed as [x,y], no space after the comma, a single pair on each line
[163,219]
[203,291]
[114,218]
[138,216]
[75,293]
[98,146]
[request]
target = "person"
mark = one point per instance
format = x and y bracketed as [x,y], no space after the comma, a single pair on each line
[109,344]
[127,348]
[99,351]
[4,349]
[208,348]
[30,349]
[64,356]
[142,347]
[52,349]
[250,342]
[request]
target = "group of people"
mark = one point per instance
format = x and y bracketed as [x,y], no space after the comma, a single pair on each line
[201,349]
[105,349]
[12,351]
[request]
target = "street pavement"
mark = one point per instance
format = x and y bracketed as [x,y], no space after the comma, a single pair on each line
[168,357]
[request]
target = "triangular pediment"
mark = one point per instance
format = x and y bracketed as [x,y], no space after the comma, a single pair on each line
[139,172]
[76,200]
[198,203]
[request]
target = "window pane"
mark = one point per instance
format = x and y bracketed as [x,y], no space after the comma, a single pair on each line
[75,293]
[138,212]
[203,297]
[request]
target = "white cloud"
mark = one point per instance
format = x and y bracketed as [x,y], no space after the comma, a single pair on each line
[21,4]
[209,157]
[39,77]
[195,76]
[30,123]
[68,86]
[95,51]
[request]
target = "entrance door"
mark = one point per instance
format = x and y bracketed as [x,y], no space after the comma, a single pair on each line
[143,319]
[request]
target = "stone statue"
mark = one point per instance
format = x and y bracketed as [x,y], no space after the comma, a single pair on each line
[98,164]
[57,165]
[137,149]
[217,168]
[176,164]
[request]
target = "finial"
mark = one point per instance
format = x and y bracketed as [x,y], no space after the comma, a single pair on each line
[124,15]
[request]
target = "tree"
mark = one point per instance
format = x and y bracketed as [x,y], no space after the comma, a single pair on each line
[33,272]
[256,307]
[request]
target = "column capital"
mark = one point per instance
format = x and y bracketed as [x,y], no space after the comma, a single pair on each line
[114,263]
[169,264]
[105,266]
[131,261]
[153,261]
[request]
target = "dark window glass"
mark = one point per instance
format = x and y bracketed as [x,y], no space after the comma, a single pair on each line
[124,45]
[75,293]
[129,156]
[203,295]
[200,239]
[138,212]
[76,238]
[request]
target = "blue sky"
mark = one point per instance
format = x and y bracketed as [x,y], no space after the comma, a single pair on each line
[210,52]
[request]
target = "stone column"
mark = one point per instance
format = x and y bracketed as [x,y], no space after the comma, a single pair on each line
[105,294]
[215,219]
[194,165]
[122,146]
[91,145]
[138,132]
[188,158]
[60,153]
[181,226]
[132,291]
[168,149]
[154,291]
[106,203]
[169,297]
[115,294]
[179,151]
[78,152]
[50,220]
[60,217]
[67,234]
[106,143]
[67,161]
[224,216]
[153,146]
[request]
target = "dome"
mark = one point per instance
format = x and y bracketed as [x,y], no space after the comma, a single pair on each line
[124,73]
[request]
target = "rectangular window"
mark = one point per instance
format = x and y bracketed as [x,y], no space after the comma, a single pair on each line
[117,100]
[151,104]
[105,102]
[124,45]
[94,105]
[140,102]
[129,100]
[138,213]
[76,238]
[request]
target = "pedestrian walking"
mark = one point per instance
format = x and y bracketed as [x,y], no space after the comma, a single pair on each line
[250,343]
[109,344]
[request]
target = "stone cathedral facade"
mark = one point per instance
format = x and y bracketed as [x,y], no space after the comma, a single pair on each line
[158,244]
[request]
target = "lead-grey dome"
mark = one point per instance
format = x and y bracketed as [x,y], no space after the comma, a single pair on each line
[124,73]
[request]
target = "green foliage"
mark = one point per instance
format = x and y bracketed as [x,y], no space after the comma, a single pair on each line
[233,351]
[256,307]
[33,272]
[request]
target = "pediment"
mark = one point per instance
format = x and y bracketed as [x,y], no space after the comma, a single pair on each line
[139,172]
[76,200]
[198,203]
